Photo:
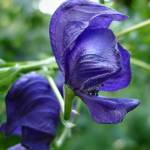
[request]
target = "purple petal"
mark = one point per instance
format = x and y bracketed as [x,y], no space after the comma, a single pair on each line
[108,110]
[35,139]
[31,104]
[93,60]
[121,79]
[71,19]
[60,81]
[17,147]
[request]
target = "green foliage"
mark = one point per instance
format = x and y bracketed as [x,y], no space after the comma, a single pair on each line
[24,30]
[7,76]
[10,141]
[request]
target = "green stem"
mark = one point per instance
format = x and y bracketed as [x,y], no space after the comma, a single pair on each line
[78,106]
[67,131]
[57,93]
[32,65]
[38,64]
[68,97]
[134,27]
[63,137]
[67,124]
[140,63]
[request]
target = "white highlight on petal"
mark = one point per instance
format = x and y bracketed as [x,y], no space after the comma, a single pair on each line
[49,6]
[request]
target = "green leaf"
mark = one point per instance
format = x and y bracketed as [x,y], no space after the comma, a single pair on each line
[7,76]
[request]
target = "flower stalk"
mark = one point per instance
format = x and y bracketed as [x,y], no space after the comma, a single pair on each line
[63,137]
[30,65]
[57,93]
[38,64]
[68,97]
[67,131]
[140,63]
[134,27]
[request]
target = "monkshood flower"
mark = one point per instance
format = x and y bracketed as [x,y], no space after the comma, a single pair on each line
[32,112]
[17,147]
[91,58]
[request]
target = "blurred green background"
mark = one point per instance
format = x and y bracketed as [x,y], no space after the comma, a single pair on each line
[24,36]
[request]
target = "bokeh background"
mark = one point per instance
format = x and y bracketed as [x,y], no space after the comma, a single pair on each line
[24,36]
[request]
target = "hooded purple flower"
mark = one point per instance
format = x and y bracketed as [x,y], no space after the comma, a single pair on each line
[32,112]
[91,58]
[17,147]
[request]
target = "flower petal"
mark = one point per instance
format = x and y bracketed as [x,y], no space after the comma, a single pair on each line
[17,147]
[31,104]
[60,81]
[71,19]
[123,77]
[108,110]
[93,60]
[35,139]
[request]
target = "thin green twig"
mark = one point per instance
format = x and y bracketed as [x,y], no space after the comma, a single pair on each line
[140,63]
[67,124]
[62,137]
[32,65]
[66,133]
[134,27]
[57,93]
[78,106]
[38,64]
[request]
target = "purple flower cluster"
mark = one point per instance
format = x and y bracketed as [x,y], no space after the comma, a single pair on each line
[90,57]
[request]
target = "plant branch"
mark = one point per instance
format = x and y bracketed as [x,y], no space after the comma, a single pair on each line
[66,133]
[30,65]
[134,27]
[34,65]
[62,137]
[57,93]
[140,63]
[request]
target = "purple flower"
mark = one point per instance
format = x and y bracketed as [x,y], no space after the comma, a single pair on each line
[91,58]
[32,112]
[17,147]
